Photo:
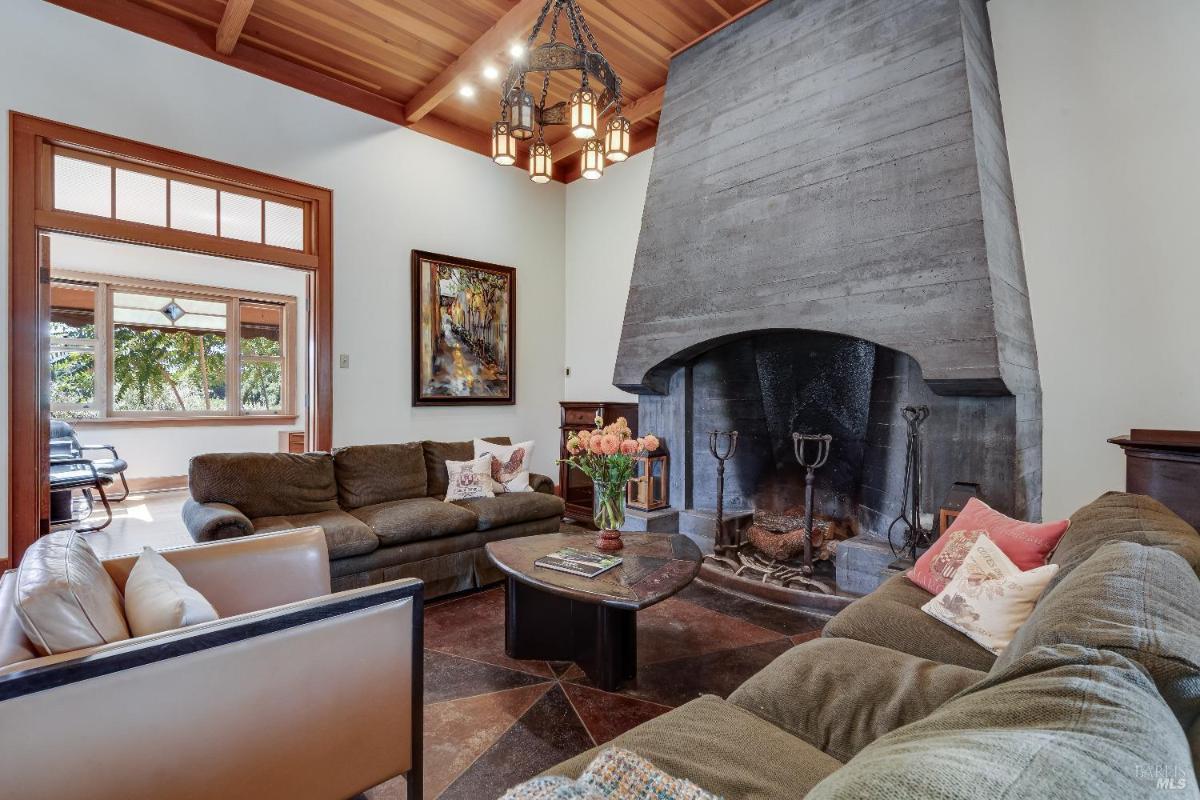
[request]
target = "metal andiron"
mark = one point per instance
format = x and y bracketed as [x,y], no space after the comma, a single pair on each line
[772,559]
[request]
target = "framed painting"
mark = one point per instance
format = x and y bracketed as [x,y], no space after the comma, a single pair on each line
[464,331]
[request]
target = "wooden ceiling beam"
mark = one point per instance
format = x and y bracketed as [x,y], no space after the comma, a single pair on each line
[513,25]
[177,33]
[232,22]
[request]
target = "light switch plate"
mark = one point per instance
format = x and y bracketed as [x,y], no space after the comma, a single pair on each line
[344,361]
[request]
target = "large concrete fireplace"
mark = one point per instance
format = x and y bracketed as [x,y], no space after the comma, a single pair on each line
[829,236]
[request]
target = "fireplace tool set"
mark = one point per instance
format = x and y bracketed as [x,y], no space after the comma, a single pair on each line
[722,445]
[811,452]
[915,536]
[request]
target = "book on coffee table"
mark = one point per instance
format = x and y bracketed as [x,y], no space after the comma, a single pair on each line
[578,562]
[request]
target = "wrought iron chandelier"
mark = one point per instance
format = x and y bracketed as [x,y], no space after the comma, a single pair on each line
[522,118]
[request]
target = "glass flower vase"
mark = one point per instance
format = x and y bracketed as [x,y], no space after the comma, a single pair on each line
[608,512]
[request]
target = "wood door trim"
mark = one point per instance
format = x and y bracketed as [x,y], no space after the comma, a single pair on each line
[29,410]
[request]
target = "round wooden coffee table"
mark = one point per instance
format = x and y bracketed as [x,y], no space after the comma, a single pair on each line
[556,616]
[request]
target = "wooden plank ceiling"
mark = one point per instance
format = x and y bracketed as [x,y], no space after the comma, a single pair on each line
[408,61]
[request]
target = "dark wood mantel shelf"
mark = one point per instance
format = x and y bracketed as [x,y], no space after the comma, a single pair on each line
[1166,466]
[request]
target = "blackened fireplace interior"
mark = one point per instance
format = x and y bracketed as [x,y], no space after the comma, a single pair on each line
[768,384]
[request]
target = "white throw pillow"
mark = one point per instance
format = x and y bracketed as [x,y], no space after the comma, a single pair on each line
[469,479]
[989,597]
[158,599]
[509,465]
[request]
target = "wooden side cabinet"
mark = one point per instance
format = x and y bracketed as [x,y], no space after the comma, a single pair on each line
[1166,466]
[576,487]
[292,442]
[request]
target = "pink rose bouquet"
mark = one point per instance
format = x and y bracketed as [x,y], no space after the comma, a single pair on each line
[606,455]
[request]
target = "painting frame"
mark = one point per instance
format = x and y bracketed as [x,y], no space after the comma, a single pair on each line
[423,331]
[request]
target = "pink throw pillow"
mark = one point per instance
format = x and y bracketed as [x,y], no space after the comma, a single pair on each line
[1027,544]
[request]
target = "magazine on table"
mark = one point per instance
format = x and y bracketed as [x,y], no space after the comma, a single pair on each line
[578,562]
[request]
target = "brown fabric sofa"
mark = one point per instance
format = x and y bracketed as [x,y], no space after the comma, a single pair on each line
[1097,697]
[381,508]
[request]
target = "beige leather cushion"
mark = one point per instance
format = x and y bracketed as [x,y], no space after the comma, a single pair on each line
[158,599]
[65,598]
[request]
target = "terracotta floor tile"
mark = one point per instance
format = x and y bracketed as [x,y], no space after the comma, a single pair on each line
[449,677]
[674,628]
[607,715]
[549,732]
[800,638]
[458,731]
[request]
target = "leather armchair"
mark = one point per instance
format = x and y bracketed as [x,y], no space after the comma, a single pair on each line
[294,693]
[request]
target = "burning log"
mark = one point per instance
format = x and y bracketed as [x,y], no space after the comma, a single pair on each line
[781,536]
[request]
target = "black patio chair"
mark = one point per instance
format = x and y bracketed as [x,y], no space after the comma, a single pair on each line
[68,474]
[64,444]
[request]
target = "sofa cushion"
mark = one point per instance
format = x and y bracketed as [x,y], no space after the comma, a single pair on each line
[1068,722]
[1141,602]
[158,599]
[891,616]
[65,598]
[344,534]
[438,453]
[265,484]
[1122,517]
[821,692]
[377,473]
[512,507]
[415,519]
[721,748]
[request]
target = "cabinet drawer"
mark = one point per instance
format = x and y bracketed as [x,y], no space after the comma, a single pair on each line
[580,416]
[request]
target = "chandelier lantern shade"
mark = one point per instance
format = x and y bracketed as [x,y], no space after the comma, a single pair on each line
[591,163]
[616,139]
[583,114]
[504,145]
[541,162]
[521,114]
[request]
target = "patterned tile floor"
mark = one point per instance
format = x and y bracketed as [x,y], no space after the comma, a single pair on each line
[492,721]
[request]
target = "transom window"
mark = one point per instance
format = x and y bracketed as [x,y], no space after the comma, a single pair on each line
[156,350]
[99,186]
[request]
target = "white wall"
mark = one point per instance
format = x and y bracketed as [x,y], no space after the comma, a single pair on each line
[603,220]
[394,190]
[165,451]
[1101,103]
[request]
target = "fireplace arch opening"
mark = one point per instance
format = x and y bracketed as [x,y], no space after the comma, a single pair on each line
[768,384]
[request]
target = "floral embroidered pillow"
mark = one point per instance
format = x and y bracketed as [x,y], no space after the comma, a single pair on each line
[509,465]
[989,597]
[469,479]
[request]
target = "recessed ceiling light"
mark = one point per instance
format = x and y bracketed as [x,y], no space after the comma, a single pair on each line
[516,51]
[491,73]
[466,90]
